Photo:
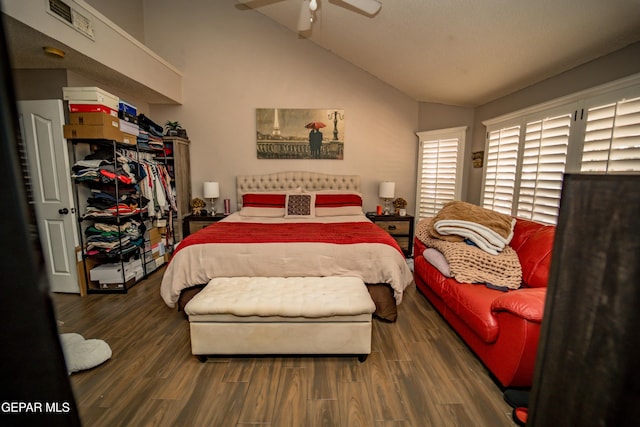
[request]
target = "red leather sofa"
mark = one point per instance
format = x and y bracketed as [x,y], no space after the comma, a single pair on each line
[502,328]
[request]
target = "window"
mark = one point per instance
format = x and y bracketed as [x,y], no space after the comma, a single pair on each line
[501,167]
[440,165]
[543,164]
[526,163]
[528,152]
[612,137]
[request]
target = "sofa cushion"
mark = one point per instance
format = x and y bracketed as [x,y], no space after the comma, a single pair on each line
[533,243]
[472,303]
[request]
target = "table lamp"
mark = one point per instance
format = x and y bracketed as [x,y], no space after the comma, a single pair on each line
[387,192]
[211,191]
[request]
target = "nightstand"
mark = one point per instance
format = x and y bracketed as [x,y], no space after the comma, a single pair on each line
[400,228]
[193,223]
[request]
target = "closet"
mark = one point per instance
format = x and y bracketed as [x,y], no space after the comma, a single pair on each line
[177,158]
[124,197]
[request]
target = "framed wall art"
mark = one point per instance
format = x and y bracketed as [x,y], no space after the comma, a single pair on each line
[300,133]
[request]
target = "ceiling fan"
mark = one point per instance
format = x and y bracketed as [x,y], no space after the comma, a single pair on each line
[309,7]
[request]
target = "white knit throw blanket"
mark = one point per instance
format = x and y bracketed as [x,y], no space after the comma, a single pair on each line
[484,237]
[470,264]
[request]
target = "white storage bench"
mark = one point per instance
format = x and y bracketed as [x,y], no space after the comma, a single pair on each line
[277,315]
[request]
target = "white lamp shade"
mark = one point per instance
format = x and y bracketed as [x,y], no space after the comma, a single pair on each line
[211,190]
[387,190]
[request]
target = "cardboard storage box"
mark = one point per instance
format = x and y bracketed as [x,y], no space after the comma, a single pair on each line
[113,273]
[129,139]
[93,132]
[148,257]
[154,236]
[139,272]
[90,95]
[97,125]
[127,108]
[118,286]
[94,119]
[128,127]
[92,108]
[151,266]
[158,249]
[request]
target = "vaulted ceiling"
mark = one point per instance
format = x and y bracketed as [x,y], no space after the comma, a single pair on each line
[465,52]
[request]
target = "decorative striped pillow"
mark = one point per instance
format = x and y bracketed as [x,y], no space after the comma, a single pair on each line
[263,204]
[338,203]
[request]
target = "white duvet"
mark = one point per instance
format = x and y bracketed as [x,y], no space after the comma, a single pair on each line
[371,262]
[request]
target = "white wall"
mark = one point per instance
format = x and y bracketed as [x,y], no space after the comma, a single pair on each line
[439,116]
[235,61]
[128,14]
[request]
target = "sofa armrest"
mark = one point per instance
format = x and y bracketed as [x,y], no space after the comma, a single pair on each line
[527,303]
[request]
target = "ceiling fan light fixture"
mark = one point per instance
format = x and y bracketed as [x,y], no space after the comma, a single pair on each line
[306,17]
[370,7]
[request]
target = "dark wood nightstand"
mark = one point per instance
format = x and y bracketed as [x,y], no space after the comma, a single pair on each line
[400,228]
[193,223]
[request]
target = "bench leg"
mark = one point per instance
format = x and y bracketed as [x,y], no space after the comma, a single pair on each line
[362,357]
[201,357]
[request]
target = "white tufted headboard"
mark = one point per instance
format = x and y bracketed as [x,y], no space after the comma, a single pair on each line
[287,181]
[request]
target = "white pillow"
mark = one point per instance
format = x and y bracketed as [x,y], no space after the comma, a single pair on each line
[437,259]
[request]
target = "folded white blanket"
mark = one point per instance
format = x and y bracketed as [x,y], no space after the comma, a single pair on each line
[483,237]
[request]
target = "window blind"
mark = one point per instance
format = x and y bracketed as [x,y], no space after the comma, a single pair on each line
[543,164]
[529,151]
[501,168]
[612,137]
[439,170]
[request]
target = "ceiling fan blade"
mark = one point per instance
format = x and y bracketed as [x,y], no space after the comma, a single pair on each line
[304,19]
[370,7]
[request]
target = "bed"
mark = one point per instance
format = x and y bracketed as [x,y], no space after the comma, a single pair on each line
[292,224]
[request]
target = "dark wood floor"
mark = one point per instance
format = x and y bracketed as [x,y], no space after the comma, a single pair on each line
[418,374]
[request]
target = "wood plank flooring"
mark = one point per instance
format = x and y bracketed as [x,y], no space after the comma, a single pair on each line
[418,374]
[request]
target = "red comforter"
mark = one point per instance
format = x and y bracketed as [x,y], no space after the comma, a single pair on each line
[345,233]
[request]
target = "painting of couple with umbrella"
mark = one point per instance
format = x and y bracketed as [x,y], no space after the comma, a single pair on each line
[296,133]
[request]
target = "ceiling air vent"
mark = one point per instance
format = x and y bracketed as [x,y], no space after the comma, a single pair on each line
[71,17]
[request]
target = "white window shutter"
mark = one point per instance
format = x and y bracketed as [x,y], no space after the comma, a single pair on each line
[528,151]
[612,137]
[439,169]
[500,169]
[543,164]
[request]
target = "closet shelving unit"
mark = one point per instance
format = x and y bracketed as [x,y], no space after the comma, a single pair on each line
[134,264]
[176,156]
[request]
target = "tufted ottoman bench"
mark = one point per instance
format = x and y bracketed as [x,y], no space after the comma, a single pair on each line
[278,315]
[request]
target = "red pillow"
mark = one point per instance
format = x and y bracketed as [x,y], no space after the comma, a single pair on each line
[332,204]
[263,204]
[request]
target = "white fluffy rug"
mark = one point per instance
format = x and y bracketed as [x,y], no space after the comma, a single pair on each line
[82,354]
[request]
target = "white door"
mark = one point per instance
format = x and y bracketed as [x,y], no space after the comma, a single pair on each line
[48,157]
